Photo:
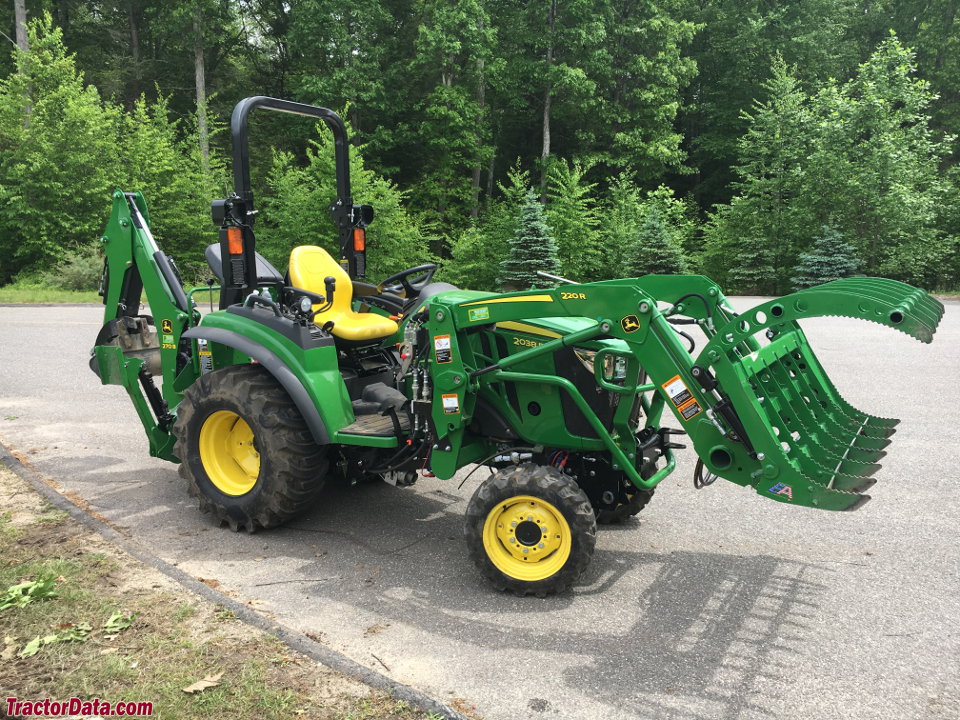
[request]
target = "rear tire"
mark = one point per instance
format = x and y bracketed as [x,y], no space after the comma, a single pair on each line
[245,450]
[530,529]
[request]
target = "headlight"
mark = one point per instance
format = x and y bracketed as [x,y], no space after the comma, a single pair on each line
[614,366]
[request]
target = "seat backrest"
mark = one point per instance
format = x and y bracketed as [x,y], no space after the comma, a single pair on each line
[310,265]
[267,274]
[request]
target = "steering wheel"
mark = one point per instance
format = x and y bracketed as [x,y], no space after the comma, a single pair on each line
[421,275]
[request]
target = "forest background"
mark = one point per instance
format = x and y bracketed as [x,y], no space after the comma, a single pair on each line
[768,144]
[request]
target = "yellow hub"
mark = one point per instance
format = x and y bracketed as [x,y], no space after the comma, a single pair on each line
[527,538]
[228,454]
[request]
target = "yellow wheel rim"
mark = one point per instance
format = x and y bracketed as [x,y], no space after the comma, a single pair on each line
[527,538]
[228,453]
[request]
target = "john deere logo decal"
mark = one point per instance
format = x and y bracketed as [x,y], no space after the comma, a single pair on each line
[630,323]
[166,326]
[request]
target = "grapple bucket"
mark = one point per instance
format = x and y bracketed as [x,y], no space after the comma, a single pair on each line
[804,443]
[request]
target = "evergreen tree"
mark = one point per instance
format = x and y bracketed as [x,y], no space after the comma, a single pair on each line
[477,253]
[652,250]
[572,215]
[754,241]
[531,248]
[830,258]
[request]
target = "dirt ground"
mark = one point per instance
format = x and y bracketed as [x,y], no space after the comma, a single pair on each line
[174,638]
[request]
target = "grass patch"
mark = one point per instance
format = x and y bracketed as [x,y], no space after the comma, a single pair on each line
[33,292]
[102,630]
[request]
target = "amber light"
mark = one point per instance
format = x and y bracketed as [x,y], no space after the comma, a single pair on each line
[235,241]
[359,239]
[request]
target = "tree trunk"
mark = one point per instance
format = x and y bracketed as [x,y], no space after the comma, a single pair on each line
[481,100]
[490,168]
[134,46]
[199,70]
[20,17]
[547,98]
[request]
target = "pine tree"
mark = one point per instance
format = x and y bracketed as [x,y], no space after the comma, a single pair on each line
[651,248]
[830,258]
[532,248]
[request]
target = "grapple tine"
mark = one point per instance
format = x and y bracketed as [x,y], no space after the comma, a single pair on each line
[820,445]
[792,436]
[928,308]
[812,400]
[807,363]
[890,303]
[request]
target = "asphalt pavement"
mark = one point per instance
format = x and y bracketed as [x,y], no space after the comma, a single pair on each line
[715,604]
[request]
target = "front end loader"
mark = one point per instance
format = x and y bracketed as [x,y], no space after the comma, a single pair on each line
[316,373]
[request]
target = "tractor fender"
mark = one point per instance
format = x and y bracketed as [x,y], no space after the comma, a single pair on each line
[275,366]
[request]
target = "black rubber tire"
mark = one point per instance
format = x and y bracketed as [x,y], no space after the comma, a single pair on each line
[636,501]
[293,467]
[551,485]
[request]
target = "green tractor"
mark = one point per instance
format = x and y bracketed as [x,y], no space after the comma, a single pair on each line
[316,373]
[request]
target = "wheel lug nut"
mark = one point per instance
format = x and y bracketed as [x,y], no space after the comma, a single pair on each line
[513,539]
[540,546]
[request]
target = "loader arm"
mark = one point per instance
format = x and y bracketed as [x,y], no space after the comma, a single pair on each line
[759,412]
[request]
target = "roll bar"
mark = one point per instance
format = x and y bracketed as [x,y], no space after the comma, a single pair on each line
[241,149]
[238,213]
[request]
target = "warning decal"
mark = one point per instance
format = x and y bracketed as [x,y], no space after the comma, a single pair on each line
[441,348]
[682,398]
[691,409]
[677,391]
[451,404]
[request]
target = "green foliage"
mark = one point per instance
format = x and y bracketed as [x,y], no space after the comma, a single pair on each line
[58,147]
[754,240]
[476,255]
[24,593]
[858,156]
[844,128]
[651,248]
[830,258]
[79,269]
[475,260]
[644,69]
[532,248]
[296,211]
[161,161]
[571,214]
[634,219]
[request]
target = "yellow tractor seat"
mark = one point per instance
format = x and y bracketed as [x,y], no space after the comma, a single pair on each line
[309,266]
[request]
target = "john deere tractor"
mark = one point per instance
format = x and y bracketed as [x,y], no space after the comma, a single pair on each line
[315,373]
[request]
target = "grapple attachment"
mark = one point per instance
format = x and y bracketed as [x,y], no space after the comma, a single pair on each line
[799,440]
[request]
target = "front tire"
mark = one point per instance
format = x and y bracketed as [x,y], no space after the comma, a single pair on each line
[530,529]
[245,450]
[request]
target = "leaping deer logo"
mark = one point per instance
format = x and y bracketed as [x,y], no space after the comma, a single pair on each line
[630,323]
